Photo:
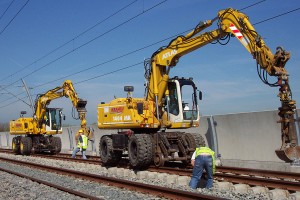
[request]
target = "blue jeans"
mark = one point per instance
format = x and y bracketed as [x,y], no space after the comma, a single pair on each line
[202,162]
[76,151]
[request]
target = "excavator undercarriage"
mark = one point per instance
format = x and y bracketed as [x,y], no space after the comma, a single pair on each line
[145,149]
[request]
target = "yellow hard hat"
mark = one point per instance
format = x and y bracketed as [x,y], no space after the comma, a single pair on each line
[80,131]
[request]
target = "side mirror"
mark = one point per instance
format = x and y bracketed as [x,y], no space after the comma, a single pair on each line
[128,88]
[200,95]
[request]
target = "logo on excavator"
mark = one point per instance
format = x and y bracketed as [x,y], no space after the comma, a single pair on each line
[169,54]
[18,125]
[116,109]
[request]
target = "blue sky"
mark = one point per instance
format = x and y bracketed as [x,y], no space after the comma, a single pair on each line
[46,43]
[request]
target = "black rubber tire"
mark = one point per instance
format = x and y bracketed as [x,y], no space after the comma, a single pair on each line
[200,142]
[55,145]
[190,140]
[16,145]
[140,151]
[108,156]
[25,145]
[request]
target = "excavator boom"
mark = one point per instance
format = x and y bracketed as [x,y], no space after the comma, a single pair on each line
[234,23]
[164,105]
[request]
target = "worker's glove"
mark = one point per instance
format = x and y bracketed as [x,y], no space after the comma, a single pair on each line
[80,149]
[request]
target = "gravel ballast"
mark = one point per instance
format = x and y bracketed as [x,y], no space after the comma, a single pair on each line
[31,190]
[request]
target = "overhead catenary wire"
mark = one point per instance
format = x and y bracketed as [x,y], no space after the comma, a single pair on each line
[7,9]
[105,74]
[147,46]
[123,56]
[282,14]
[153,44]
[71,40]
[251,5]
[82,33]
[88,42]
[14,17]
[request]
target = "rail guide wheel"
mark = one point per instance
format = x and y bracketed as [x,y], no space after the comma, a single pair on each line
[159,160]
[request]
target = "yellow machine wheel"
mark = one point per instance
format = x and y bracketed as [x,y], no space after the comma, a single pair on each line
[16,145]
[25,145]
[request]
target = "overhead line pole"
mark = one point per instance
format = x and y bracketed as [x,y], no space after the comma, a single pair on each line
[29,96]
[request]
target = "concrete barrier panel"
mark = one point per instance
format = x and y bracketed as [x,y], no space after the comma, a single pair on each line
[243,139]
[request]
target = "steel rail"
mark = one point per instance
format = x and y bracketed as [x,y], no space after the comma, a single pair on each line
[260,172]
[254,177]
[64,189]
[121,183]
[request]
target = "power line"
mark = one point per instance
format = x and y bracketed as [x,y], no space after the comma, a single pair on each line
[88,42]
[252,5]
[140,50]
[71,40]
[95,38]
[116,58]
[134,51]
[14,16]
[15,96]
[117,70]
[7,9]
[277,16]
[12,97]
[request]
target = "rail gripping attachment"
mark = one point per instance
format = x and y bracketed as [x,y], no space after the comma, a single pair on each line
[289,154]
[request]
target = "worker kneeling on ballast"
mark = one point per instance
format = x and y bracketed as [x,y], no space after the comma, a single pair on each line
[82,145]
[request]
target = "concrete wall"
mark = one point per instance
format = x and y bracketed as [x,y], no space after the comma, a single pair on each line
[242,139]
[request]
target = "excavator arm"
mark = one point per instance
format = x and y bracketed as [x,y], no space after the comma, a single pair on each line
[231,22]
[65,90]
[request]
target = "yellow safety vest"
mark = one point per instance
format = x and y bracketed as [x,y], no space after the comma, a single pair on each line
[210,152]
[84,141]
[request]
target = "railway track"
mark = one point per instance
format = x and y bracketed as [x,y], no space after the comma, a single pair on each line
[253,177]
[159,191]
[234,177]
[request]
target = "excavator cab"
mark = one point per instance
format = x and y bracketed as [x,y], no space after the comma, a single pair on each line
[182,104]
[53,120]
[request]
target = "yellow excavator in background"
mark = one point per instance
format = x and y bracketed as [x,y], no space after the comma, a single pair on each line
[38,130]
[145,120]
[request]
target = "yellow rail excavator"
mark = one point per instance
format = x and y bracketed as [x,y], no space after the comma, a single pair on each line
[142,122]
[35,134]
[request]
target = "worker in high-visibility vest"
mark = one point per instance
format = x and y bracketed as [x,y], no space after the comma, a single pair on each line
[203,158]
[82,145]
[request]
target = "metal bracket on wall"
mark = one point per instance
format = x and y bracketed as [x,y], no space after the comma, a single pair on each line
[297,122]
[70,133]
[214,138]
[7,138]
